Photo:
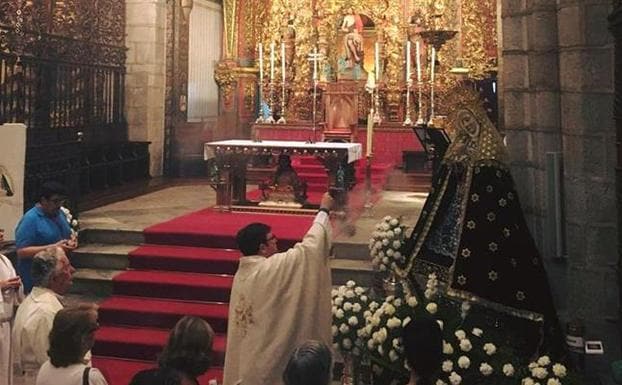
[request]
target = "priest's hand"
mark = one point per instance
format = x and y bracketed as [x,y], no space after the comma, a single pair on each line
[327,202]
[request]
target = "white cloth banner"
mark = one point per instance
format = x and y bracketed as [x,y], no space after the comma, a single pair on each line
[12,168]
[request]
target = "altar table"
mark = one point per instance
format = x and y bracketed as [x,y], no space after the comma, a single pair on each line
[232,156]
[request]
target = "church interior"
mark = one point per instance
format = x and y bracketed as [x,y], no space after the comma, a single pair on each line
[174,123]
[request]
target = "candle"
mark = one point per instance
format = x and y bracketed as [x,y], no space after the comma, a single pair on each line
[408,60]
[271,61]
[261,63]
[370,131]
[283,60]
[432,64]
[377,60]
[315,58]
[418,59]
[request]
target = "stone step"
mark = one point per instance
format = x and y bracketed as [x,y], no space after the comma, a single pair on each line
[111,236]
[97,282]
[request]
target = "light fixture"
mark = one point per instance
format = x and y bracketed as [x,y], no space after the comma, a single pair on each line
[186,7]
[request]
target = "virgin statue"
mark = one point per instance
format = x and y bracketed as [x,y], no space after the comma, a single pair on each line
[472,231]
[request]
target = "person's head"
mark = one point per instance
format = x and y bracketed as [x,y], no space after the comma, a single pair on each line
[51,269]
[72,334]
[309,364]
[257,239]
[51,197]
[423,347]
[189,347]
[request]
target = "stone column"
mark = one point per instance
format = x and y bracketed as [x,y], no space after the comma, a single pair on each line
[145,79]
[586,81]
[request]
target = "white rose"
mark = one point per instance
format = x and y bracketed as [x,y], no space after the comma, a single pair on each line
[397,302]
[394,222]
[508,370]
[378,244]
[440,323]
[490,349]
[359,290]
[350,284]
[380,350]
[428,293]
[389,309]
[383,268]
[447,348]
[465,345]
[373,305]
[335,330]
[346,343]
[375,321]
[454,378]
[349,294]
[532,365]
[353,321]
[385,242]
[460,334]
[338,301]
[334,293]
[74,223]
[397,230]
[367,314]
[339,314]
[396,343]
[398,256]
[412,301]
[382,335]
[393,355]
[361,332]
[385,260]
[384,227]
[477,332]
[390,252]
[364,298]
[389,234]
[544,361]
[485,369]
[432,308]
[553,381]
[396,244]
[368,329]
[559,370]
[440,382]
[389,298]
[527,381]
[448,366]
[370,344]
[356,307]
[387,218]
[539,373]
[347,306]
[344,329]
[464,362]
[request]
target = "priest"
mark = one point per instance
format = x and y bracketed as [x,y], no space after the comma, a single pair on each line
[278,300]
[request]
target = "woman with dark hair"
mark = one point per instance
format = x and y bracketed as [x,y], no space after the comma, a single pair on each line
[309,364]
[185,357]
[71,337]
[423,347]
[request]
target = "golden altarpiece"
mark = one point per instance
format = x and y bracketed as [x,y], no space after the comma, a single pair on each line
[351,38]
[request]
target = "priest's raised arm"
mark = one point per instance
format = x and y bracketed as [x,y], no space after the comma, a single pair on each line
[278,300]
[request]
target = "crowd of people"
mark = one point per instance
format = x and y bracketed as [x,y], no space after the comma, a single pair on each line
[272,338]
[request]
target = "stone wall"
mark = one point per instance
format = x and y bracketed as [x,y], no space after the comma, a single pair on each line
[557,89]
[145,79]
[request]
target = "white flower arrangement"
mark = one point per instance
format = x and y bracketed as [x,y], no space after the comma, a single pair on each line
[542,371]
[74,225]
[386,242]
[350,307]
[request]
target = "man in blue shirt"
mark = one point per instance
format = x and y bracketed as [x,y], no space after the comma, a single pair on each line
[43,226]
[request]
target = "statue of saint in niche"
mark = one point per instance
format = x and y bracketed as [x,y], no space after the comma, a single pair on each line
[352,25]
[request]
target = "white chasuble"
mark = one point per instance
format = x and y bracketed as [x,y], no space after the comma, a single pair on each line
[277,303]
[8,301]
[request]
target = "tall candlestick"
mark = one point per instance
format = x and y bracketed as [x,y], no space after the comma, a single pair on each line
[377,61]
[271,61]
[370,133]
[260,64]
[432,64]
[408,61]
[283,61]
[315,63]
[418,59]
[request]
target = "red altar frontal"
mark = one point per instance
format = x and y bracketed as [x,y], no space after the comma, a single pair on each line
[388,141]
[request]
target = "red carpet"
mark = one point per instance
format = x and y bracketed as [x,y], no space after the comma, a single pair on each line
[186,267]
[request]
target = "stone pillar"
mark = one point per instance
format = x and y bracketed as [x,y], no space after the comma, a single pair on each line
[145,79]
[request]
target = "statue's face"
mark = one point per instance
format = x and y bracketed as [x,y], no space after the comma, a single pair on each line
[468,123]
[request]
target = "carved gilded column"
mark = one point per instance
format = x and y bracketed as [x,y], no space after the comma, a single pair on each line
[230,27]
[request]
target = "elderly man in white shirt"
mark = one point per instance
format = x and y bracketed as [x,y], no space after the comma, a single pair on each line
[51,275]
[12,293]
